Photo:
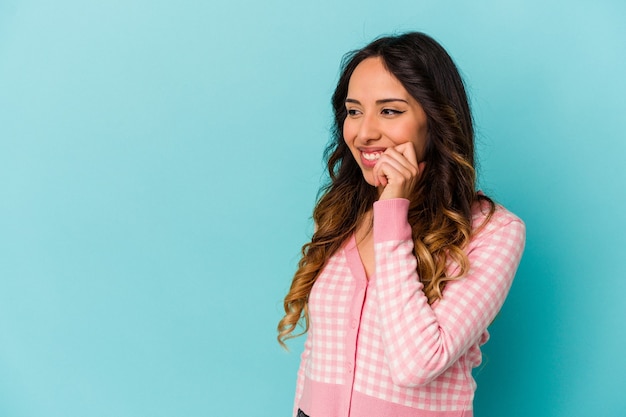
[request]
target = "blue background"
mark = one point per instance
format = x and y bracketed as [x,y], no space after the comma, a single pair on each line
[159,163]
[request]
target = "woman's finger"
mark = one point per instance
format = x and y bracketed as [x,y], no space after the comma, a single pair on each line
[403,164]
[407,150]
[397,171]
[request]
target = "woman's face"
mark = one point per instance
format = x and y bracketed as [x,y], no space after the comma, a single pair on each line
[381,114]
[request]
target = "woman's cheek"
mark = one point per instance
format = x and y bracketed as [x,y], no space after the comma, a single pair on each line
[348,129]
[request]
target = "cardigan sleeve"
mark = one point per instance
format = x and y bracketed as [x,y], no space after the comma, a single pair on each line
[301,375]
[421,341]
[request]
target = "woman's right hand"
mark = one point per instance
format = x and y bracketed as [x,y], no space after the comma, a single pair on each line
[397,171]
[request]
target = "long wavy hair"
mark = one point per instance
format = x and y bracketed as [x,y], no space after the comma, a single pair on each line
[440,210]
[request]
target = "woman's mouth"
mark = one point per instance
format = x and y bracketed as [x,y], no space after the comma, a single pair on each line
[369,158]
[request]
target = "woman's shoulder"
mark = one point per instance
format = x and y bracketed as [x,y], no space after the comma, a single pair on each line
[486,221]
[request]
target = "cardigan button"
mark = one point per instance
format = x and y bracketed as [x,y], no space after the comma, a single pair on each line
[354,323]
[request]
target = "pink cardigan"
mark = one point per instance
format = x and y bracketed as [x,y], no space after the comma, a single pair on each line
[377,348]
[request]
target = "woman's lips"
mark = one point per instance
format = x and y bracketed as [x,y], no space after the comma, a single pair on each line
[369,157]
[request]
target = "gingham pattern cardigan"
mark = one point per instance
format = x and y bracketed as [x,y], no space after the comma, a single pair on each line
[377,348]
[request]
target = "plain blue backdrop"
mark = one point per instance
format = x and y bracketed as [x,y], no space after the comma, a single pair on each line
[159,163]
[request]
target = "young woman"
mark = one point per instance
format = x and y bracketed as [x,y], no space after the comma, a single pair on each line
[408,264]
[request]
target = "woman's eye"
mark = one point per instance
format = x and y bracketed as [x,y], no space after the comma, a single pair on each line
[391,112]
[352,112]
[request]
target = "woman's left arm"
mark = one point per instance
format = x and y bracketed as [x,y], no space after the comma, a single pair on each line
[421,341]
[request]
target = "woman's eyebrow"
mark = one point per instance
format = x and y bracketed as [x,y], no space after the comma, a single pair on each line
[389,100]
[382,101]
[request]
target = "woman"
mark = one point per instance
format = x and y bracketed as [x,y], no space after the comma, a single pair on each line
[408,264]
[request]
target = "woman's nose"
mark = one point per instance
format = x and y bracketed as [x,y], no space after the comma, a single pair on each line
[369,129]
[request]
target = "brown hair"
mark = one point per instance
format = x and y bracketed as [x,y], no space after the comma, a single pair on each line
[441,204]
